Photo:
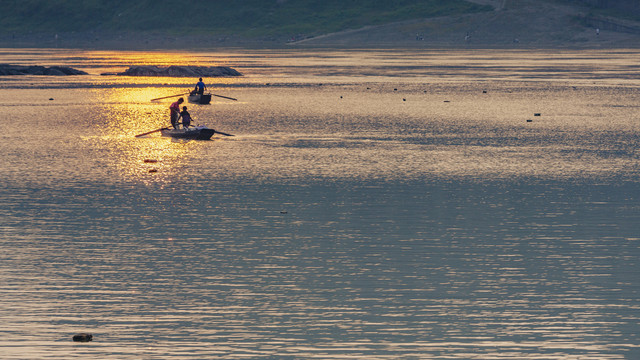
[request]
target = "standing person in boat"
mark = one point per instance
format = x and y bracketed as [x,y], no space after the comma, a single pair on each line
[175,112]
[200,87]
[186,117]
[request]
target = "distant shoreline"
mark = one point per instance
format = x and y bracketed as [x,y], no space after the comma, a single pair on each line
[154,43]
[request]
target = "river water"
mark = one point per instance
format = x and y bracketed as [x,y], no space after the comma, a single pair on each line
[371,205]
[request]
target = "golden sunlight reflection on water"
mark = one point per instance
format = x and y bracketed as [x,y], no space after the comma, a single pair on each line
[359,212]
[124,113]
[157,58]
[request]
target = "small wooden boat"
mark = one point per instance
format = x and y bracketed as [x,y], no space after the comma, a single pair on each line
[192,133]
[199,99]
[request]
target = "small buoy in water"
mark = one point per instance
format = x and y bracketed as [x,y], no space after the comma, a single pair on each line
[536,114]
[83,337]
[150,160]
[153,170]
[529,120]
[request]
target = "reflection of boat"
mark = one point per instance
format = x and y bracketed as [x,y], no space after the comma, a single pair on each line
[192,133]
[200,99]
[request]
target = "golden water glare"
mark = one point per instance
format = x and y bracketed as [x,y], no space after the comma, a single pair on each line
[147,158]
[364,265]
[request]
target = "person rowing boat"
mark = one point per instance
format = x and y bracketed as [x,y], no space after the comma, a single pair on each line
[200,88]
[174,108]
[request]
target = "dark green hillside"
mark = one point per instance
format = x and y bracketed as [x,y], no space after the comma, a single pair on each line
[250,18]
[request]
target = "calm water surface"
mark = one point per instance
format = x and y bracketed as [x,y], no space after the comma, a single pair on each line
[372,205]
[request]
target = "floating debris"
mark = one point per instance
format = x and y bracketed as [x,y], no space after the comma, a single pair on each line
[153,170]
[529,120]
[536,114]
[150,160]
[83,337]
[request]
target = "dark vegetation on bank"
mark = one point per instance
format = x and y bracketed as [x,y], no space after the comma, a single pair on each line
[629,10]
[148,24]
[248,18]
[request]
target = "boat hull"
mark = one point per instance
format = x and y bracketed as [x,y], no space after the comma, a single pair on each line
[200,99]
[194,133]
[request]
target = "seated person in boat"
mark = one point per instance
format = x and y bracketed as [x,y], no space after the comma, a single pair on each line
[200,88]
[186,117]
[175,112]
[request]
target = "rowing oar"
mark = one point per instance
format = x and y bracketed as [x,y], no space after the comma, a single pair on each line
[225,97]
[221,133]
[151,132]
[166,97]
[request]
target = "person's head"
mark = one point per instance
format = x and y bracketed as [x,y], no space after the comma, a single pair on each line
[180,101]
[200,79]
[184,108]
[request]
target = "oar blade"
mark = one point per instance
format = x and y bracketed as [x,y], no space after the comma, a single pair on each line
[166,97]
[225,97]
[152,131]
[221,133]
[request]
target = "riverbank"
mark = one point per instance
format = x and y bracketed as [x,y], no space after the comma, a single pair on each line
[528,25]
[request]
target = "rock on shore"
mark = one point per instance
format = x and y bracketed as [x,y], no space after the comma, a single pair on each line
[6,69]
[181,71]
